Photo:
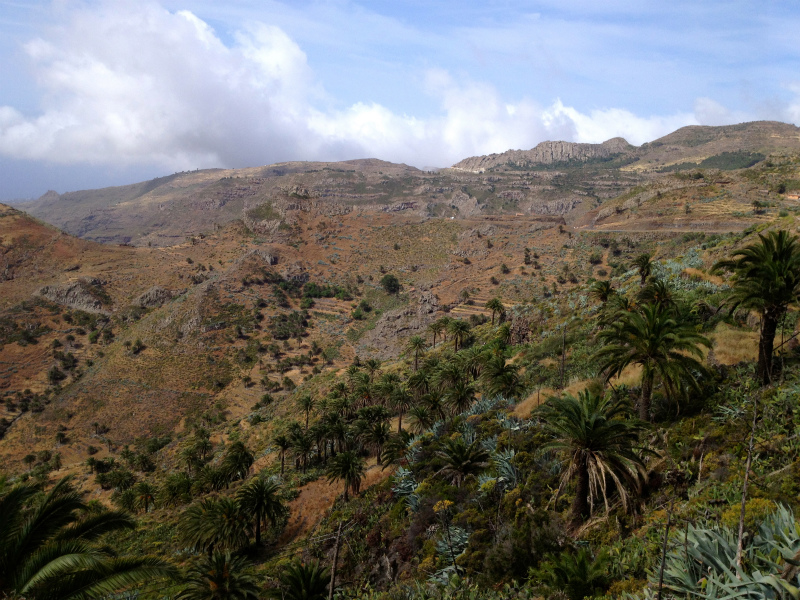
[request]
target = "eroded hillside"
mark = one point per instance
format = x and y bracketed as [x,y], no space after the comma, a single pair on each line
[554,179]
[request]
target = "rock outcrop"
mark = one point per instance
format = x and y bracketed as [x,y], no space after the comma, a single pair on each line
[83,294]
[385,340]
[546,153]
[155,297]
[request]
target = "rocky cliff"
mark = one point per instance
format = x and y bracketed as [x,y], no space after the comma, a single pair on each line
[547,153]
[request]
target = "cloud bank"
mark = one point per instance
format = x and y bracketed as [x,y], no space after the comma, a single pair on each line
[133,83]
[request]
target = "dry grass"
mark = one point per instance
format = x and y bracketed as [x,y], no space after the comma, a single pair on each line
[317,497]
[631,376]
[732,345]
[699,275]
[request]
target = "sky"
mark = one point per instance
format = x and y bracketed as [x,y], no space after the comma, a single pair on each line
[96,93]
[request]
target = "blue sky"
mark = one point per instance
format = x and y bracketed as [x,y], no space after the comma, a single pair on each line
[99,93]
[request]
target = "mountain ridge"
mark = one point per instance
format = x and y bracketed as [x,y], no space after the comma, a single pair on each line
[563,179]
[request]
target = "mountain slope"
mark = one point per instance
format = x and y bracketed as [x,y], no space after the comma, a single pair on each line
[554,179]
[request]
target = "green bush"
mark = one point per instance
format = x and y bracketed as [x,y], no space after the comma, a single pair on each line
[390,283]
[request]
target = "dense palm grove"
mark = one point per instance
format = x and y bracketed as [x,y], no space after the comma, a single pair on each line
[663,476]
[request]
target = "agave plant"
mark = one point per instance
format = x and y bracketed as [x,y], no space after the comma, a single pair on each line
[703,562]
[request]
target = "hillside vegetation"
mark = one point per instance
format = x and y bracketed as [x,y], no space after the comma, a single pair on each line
[600,404]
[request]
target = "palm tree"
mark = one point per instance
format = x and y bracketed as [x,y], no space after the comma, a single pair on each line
[177,489]
[416,345]
[767,280]
[48,548]
[460,396]
[462,459]
[319,435]
[283,444]
[448,374]
[434,402]
[260,498]
[362,390]
[214,524]
[211,479]
[445,321]
[306,404]
[459,330]
[377,433]
[300,581]
[502,378]
[496,307]
[351,373]
[396,448]
[219,577]
[373,365]
[657,292]
[302,445]
[400,400]
[602,291]
[126,500]
[203,447]
[473,361]
[644,263]
[419,418]
[388,383]
[337,429]
[145,495]
[237,461]
[436,328]
[652,338]
[347,467]
[597,439]
[420,382]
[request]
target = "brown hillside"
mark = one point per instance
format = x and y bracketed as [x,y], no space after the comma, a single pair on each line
[201,314]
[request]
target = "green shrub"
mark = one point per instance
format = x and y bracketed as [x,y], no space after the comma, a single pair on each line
[390,284]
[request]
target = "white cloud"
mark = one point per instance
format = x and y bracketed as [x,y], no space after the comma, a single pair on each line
[600,125]
[711,112]
[136,83]
[132,83]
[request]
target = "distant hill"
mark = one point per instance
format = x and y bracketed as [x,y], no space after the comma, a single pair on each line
[690,144]
[553,179]
[548,153]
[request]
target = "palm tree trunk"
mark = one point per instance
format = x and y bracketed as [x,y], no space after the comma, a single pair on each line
[647,393]
[399,422]
[766,341]
[258,531]
[283,457]
[580,505]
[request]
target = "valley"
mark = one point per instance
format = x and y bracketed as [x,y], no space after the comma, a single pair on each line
[412,357]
